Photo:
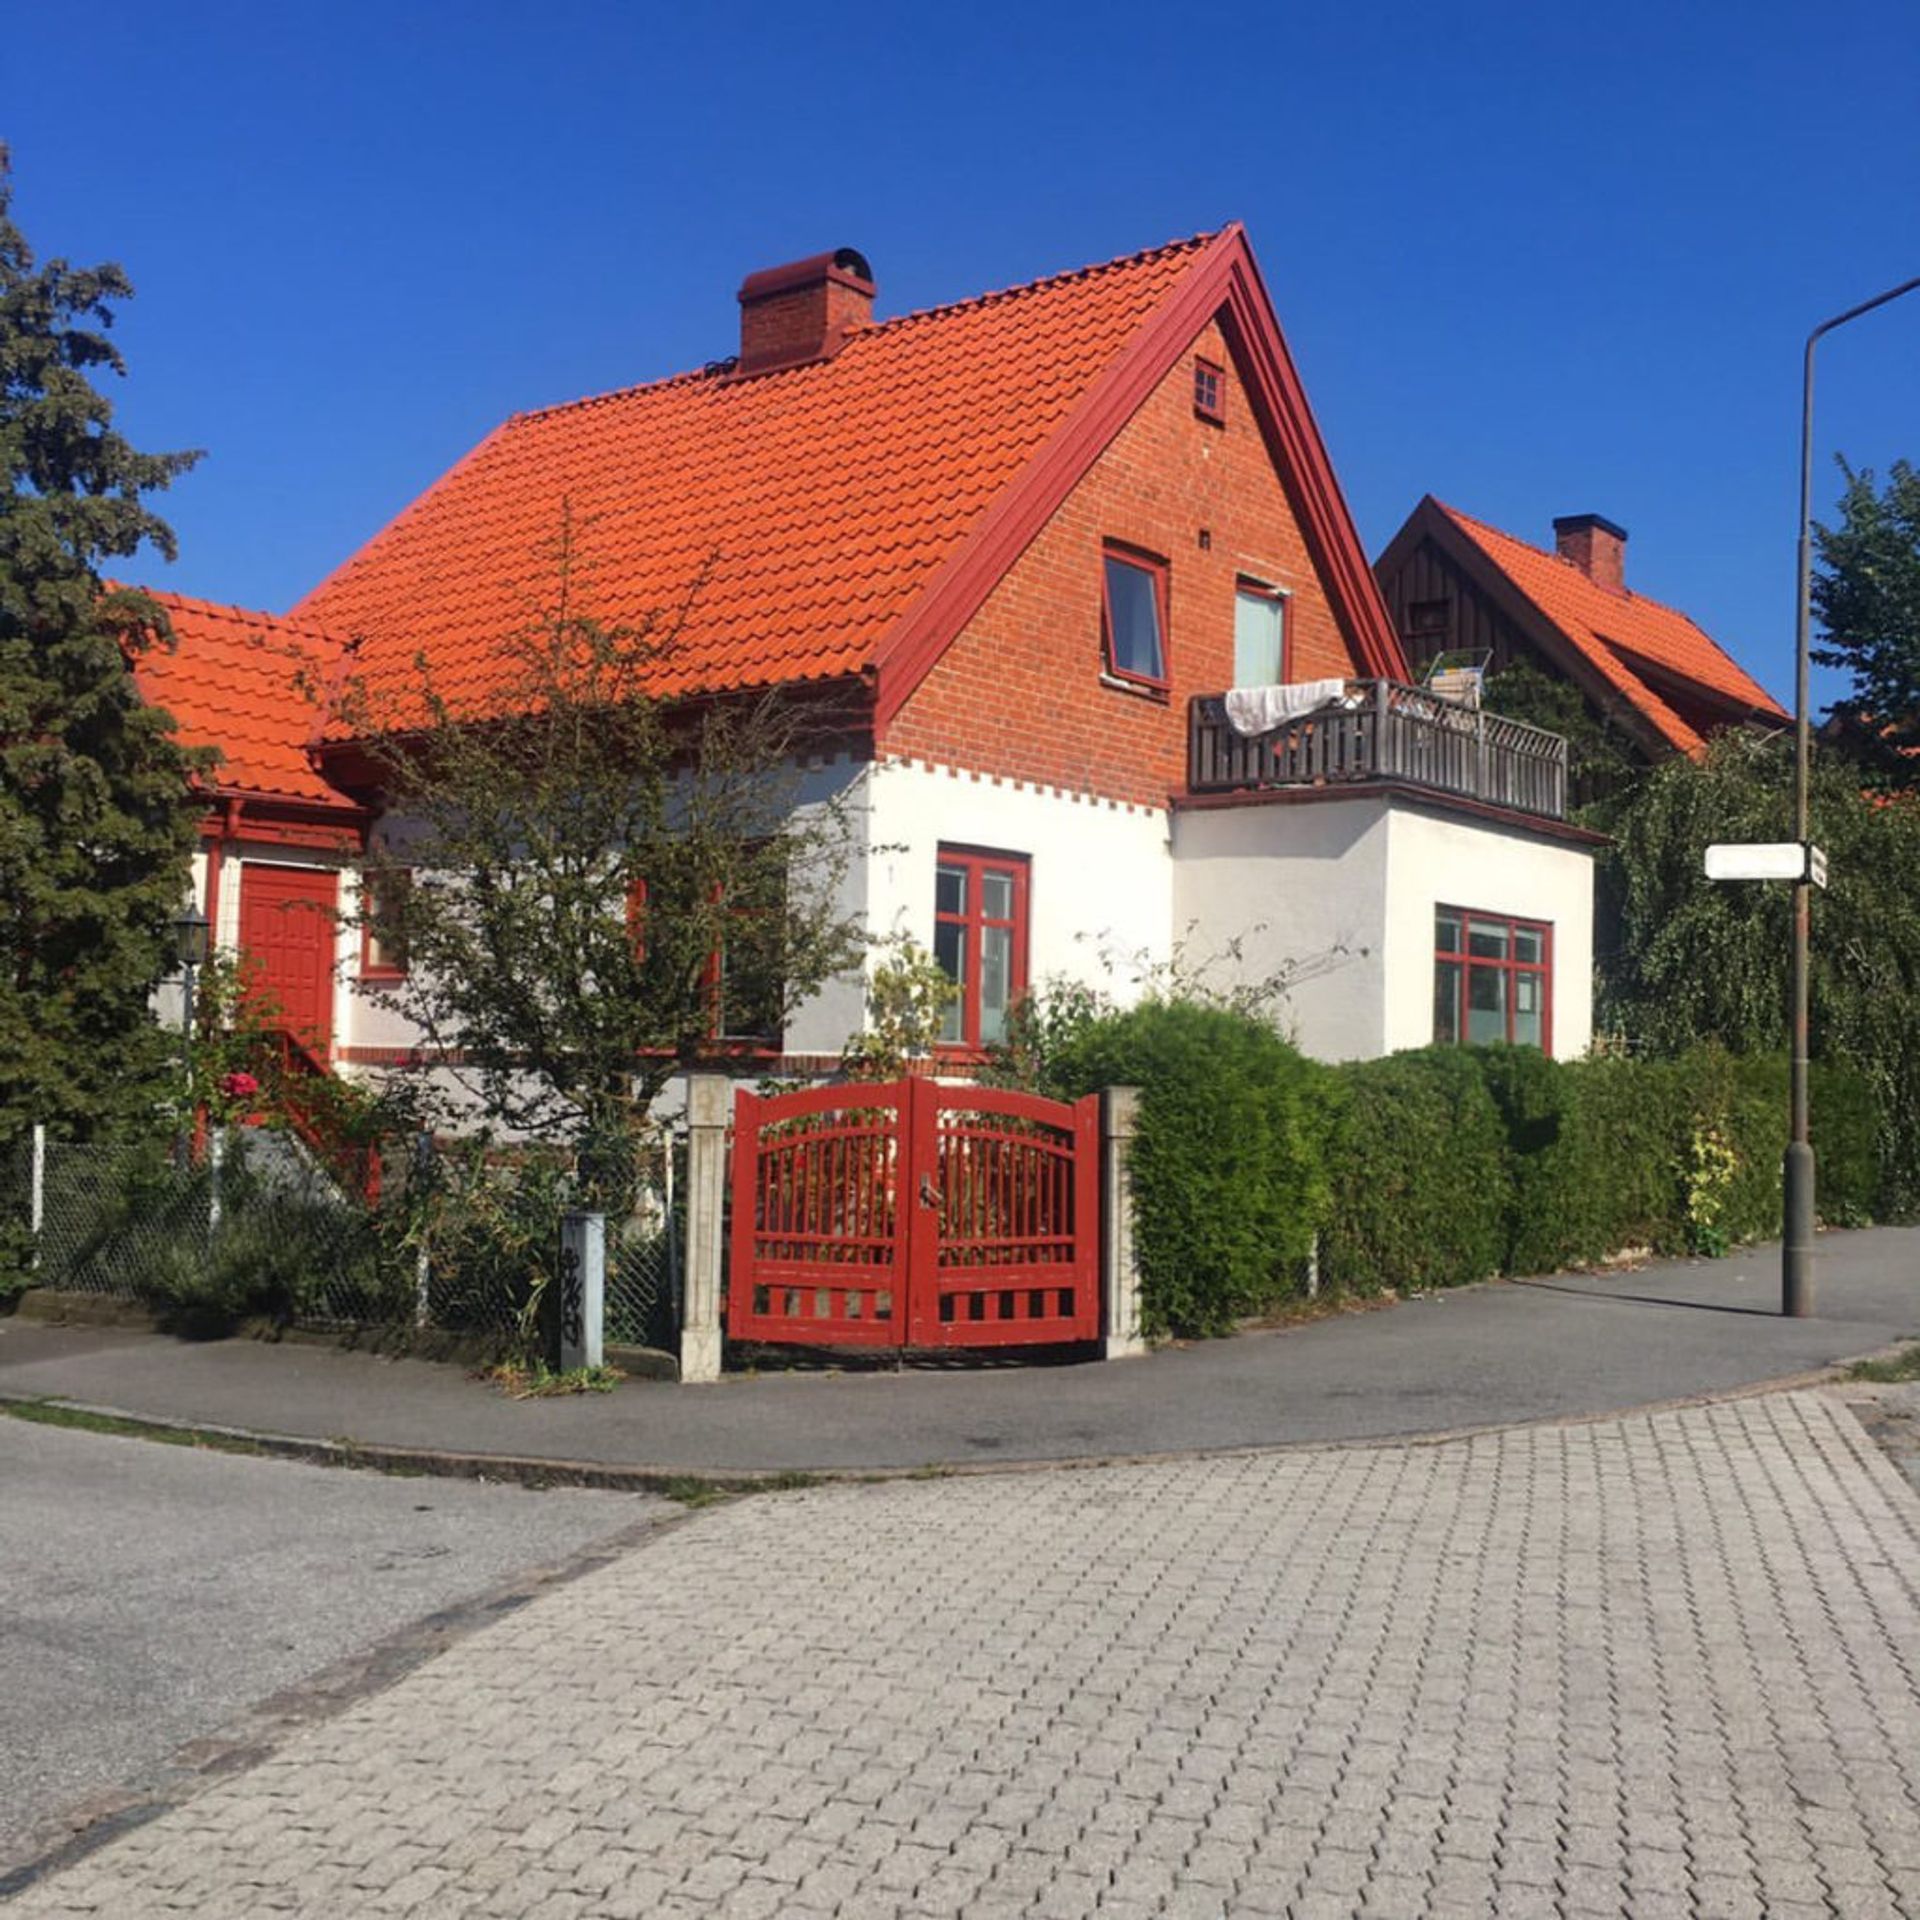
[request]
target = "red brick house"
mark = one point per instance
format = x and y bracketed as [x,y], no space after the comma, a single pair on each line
[1020,547]
[1453,583]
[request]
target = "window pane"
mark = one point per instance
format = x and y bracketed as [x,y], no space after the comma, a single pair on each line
[1486,1005]
[996,895]
[1446,1002]
[950,890]
[1133,614]
[1487,939]
[1527,945]
[750,982]
[1528,999]
[1446,932]
[950,949]
[1257,626]
[996,983]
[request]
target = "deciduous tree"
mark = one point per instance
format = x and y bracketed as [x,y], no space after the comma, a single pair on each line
[594,887]
[1866,593]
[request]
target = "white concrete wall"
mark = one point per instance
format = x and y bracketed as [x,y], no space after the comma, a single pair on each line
[1100,873]
[1344,891]
[1439,860]
[1301,889]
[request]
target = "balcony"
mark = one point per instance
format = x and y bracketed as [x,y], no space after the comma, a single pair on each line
[1383,731]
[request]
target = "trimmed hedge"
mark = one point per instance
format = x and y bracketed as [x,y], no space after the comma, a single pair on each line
[1456,1164]
[1229,1162]
[1437,1167]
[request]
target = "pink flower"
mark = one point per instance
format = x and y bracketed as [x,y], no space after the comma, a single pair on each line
[239,1086]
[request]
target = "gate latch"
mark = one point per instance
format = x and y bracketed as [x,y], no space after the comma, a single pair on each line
[929,1193]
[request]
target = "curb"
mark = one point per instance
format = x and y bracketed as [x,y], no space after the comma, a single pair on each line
[695,1485]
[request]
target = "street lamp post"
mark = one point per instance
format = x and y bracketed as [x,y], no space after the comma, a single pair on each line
[1796,1255]
[191,940]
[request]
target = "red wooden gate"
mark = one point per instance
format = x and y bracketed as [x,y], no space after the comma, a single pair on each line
[915,1215]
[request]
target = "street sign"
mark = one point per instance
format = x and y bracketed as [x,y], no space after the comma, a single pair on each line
[1765,860]
[1817,865]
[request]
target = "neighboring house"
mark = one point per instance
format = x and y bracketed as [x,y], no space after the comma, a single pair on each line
[1017,549]
[1454,584]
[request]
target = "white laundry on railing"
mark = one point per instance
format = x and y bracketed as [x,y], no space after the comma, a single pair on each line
[1252,710]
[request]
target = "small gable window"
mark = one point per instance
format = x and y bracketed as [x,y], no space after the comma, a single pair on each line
[1135,617]
[1210,391]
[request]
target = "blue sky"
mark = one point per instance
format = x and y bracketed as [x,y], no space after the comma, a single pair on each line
[1533,259]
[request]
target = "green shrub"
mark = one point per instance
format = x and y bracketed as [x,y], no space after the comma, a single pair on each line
[1229,1162]
[1454,1164]
[1421,1184]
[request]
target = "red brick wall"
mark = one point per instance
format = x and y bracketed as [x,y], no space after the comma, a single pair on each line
[1019,693]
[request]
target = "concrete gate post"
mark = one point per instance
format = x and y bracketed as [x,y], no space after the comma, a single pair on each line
[1119,1251]
[709,1096]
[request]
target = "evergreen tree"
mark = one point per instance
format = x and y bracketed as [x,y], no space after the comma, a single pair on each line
[96,821]
[1867,595]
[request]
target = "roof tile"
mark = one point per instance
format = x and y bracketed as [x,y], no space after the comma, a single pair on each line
[809,506]
[1614,630]
[242,681]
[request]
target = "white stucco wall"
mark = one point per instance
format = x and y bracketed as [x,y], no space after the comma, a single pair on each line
[1435,860]
[1100,873]
[1344,892]
[1302,891]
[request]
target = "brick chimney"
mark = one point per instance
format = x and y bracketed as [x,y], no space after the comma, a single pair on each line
[803,311]
[1596,546]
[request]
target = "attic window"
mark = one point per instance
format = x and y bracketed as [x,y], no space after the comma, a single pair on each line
[1429,619]
[1210,392]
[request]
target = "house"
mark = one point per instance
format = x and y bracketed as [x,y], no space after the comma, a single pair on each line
[1018,549]
[1456,585]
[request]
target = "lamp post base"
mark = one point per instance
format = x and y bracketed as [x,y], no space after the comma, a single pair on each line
[1796,1252]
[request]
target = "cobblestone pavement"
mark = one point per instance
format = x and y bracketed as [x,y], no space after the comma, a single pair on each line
[1660,1664]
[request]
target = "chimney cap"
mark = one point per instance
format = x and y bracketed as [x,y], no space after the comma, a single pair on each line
[844,264]
[1581,522]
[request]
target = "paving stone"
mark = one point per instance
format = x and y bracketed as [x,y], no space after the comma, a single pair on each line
[1648,1665]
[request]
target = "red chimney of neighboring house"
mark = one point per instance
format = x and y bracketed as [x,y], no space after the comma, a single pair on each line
[803,311]
[1596,546]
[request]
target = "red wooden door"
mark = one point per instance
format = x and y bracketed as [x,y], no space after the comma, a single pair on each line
[286,943]
[914,1215]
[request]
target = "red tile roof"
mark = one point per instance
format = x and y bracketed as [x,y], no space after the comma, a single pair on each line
[795,515]
[233,681]
[1615,631]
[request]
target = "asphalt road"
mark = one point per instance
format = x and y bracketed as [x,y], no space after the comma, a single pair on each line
[149,1594]
[1566,1347]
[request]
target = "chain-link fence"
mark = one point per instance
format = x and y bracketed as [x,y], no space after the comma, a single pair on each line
[644,1252]
[464,1239]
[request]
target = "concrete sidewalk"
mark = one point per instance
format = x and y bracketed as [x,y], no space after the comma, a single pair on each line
[1569,1346]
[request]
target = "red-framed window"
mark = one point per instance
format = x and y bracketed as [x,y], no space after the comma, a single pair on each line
[1259,634]
[1492,979]
[1210,391]
[383,923]
[744,977]
[1133,620]
[980,939]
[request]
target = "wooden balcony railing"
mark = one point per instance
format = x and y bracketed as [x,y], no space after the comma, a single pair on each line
[1384,731]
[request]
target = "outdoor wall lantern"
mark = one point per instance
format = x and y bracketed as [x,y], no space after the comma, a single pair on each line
[190,938]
